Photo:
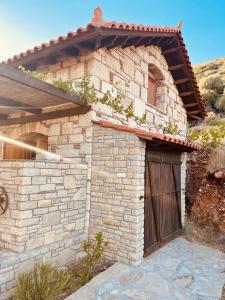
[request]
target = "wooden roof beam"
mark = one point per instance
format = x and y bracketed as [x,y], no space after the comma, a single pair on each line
[152,41]
[190,105]
[143,41]
[181,81]
[112,43]
[176,67]
[194,117]
[12,104]
[125,44]
[171,50]
[193,112]
[184,94]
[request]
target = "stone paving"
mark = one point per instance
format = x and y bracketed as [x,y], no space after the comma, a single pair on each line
[180,270]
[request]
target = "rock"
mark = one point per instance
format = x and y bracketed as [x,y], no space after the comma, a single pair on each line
[84,293]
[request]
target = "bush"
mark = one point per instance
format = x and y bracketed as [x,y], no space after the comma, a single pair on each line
[94,252]
[220,103]
[210,96]
[209,138]
[214,83]
[217,122]
[216,160]
[44,282]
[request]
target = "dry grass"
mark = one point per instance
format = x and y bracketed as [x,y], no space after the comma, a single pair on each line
[206,235]
[216,160]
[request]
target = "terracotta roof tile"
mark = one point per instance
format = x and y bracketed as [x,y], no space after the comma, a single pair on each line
[97,21]
[149,135]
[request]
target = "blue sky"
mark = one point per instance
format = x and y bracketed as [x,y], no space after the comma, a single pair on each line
[27,23]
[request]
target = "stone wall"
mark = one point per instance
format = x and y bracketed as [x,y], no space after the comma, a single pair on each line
[47,202]
[70,137]
[116,186]
[126,70]
[46,215]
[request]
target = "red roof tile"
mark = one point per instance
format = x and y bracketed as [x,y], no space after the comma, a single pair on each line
[150,135]
[97,21]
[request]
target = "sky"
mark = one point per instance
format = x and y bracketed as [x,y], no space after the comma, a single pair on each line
[27,23]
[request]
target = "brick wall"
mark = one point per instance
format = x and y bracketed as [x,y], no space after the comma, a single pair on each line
[116,186]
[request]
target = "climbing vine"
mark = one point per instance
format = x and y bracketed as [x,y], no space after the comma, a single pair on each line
[170,128]
[88,94]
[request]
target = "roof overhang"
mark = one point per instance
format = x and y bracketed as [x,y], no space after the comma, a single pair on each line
[155,139]
[101,34]
[20,92]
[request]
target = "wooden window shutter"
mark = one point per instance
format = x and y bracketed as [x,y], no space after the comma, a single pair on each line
[152,88]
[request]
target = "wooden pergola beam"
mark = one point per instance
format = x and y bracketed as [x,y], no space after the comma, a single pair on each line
[46,116]
[13,104]
[26,80]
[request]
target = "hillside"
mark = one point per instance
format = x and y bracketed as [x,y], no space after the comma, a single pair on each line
[211,80]
[211,68]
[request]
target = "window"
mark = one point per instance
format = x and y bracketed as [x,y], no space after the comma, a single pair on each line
[155,80]
[33,139]
[152,89]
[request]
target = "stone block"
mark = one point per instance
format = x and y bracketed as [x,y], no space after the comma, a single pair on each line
[51,219]
[69,182]
[44,203]
[35,243]
[54,130]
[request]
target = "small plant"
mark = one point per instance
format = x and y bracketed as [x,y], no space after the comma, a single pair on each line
[44,282]
[170,128]
[94,252]
[34,74]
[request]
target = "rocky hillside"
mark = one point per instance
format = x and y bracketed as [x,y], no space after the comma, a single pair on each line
[211,80]
[206,168]
[211,68]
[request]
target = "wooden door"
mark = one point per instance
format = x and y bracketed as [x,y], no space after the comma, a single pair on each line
[162,199]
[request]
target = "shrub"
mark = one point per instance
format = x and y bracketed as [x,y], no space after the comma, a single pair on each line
[216,160]
[220,103]
[214,83]
[217,122]
[210,96]
[44,282]
[209,138]
[94,252]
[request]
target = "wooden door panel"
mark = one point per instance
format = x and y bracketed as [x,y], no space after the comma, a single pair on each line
[150,232]
[162,198]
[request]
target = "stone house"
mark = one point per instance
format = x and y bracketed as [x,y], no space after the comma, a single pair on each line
[117,176]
